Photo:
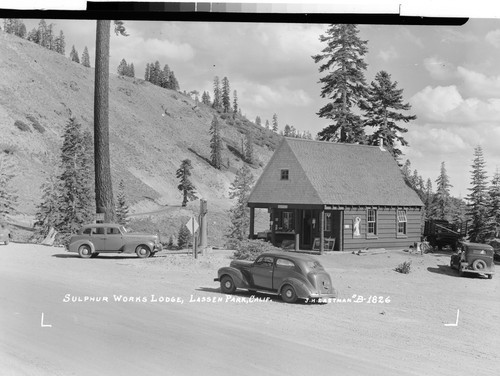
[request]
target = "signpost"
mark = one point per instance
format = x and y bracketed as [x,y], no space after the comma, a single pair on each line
[192,226]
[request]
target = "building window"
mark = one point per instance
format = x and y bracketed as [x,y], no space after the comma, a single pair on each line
[287,221]
[372,222]
[402,220]
[328,221]
[284,174]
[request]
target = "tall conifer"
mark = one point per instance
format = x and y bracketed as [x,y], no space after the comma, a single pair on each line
[477,198]
[344,84]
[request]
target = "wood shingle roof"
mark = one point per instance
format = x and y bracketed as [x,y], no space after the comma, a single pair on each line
[328,173]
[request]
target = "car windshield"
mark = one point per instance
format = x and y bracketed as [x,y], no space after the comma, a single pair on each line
[123,230]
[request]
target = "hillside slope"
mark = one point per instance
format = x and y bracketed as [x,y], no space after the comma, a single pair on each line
[151,131]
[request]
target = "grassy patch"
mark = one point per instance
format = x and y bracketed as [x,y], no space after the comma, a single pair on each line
[22,126]
[404,267]
[36,124]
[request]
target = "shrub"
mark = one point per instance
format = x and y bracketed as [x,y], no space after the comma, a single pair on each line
[403,267]
[22,126]
[36,124]
[183,237]
[250,249]
[8,149]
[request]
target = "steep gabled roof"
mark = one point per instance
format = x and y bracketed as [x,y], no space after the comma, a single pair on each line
[331,173]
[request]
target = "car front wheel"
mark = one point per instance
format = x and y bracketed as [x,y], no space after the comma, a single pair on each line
[84,251]
[288,294]
[227,285]
[142,251]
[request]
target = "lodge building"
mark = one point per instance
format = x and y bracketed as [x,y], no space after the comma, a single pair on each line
[337,197]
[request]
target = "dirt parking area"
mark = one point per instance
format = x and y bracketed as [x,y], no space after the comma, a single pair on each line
[120,315]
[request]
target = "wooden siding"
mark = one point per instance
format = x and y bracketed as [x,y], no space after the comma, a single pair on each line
[387,236]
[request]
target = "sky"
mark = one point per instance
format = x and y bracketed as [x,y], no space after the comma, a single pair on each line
[450,75]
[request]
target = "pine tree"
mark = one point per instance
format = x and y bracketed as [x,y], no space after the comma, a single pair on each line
[43,36]
[205,98]
[239,214]
[215,144]
[121,205]
[122,68]
[217,94]
[267,124]
[258,121]
[235,102]
[49,213]
[185,186]
[104,201]
[33,36]
[86,58]
[440,208]
[382,109]
[73,55]
[493,213]
[21,30]
[183,237]
[344,85]
[147,73]
[131,70]
[249,148]
[49,43]
[156,74]
[76,195]
[8,198]
[275,123]
[173,84]
[428,198]
[60,44]
[14,26]
[286,131]
[225,96]
[477,199]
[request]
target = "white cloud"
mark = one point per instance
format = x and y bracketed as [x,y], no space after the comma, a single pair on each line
[389,54]
[150,50]
[479,84]
[263,96]
[493,37]
[439,69]
[434,104]
[447,105]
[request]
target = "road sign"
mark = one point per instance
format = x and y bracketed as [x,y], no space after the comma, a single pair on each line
[192,225]
[99,217]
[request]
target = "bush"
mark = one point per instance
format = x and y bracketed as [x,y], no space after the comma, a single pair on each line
[8,149]
[22,126]
[403,267]
[250,249]
[183,237]
[36,124]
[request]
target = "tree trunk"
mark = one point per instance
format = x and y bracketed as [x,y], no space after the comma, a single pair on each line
[103,185]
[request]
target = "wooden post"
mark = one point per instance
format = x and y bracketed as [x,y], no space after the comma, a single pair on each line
[252,220]
[297,227]
[273,235]
[321,231]
[203,225]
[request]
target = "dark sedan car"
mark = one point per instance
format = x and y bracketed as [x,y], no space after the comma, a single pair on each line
[293,276]
[473,258]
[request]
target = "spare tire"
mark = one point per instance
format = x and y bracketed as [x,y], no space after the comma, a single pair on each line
[479,264]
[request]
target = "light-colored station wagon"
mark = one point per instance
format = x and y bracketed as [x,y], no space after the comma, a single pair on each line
[98,238]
